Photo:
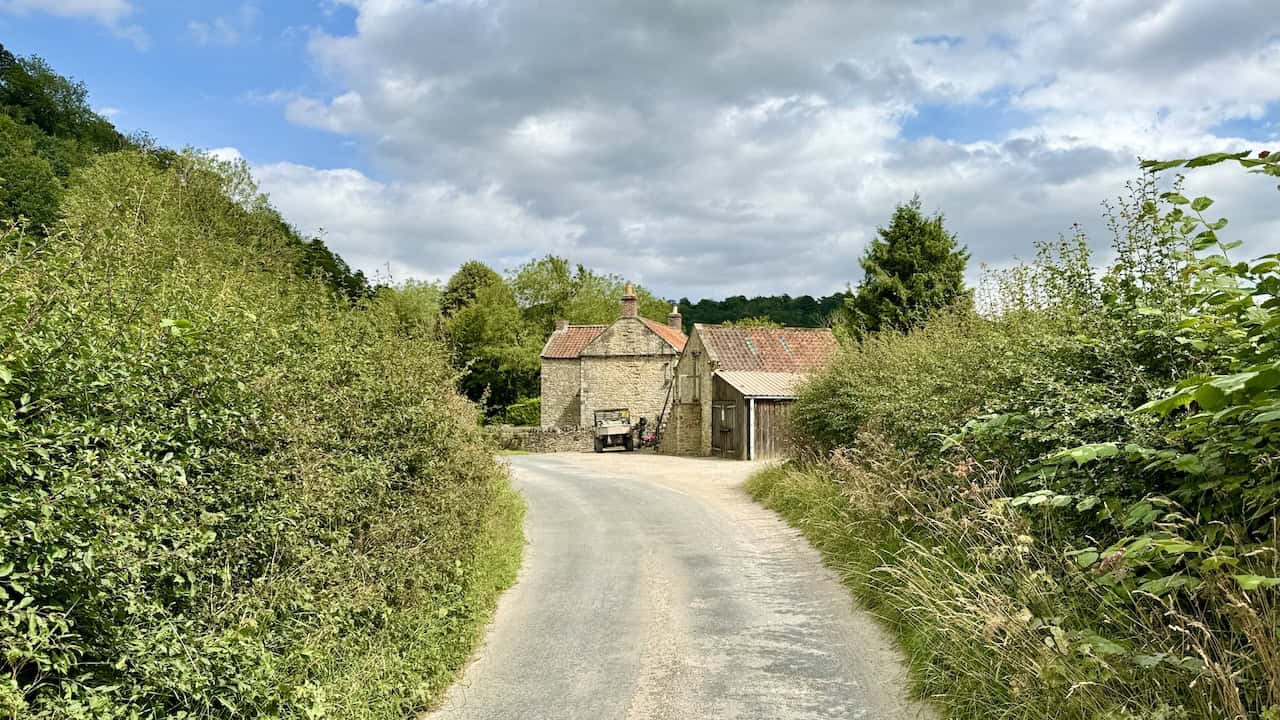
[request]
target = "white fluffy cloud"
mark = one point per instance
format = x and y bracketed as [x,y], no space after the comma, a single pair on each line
[113,14]
[751,146]
[383,227]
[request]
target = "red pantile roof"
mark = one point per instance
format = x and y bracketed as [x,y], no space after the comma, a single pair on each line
[568,343]
[673,336]
[773,350]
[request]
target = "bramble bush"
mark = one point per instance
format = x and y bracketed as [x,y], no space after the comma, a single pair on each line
[1065,502]
[224,490]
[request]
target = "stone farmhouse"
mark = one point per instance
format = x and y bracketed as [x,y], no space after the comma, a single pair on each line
[628,364]
[735,387]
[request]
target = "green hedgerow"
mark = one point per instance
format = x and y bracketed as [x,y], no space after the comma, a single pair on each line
[224,492]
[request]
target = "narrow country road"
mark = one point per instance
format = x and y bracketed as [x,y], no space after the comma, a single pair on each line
[653,587]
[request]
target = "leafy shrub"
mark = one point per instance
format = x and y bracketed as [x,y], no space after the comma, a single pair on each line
[223,491]
[526,412]
[28,187]
[1123,424]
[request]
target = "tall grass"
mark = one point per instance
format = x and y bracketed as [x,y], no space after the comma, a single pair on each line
[1065,505]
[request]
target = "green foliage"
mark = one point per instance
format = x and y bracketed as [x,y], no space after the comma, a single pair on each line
[802,311]
[913,269]
[1068,501]
[526,412]
[415,307]
[28,187]
[33,94]
[318,261]
[225,492]
[755,322]
[495,349]
[48,131]
[547,291]
[496,326]
[466,284]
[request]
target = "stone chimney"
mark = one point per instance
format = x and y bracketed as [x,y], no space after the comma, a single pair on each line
[675,321]
[562,325]
[630,306]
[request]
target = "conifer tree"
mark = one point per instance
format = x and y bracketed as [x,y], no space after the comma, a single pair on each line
[912,269]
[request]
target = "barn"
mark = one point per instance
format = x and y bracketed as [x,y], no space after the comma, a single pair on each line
[735,386]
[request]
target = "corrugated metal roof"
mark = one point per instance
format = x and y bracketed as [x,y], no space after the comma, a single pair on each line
[753,383]
[568,343]
[772,350]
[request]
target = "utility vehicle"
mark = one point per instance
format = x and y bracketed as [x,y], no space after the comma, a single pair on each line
[613,429]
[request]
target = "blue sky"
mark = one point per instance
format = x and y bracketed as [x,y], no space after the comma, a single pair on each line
[186,88]
[705,149]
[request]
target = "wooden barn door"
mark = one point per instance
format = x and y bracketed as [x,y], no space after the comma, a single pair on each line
[723,438]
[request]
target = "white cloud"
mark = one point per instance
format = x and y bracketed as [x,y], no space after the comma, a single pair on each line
[225,154]
[225,30]
[751,146]
[412,229]
[112,14]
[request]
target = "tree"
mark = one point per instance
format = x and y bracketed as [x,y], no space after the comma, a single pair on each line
[32,93]
[465,284]
[548,291]
[913,268]
[28,186]
[752,322]
[495,348]
[802,311]
[414,306]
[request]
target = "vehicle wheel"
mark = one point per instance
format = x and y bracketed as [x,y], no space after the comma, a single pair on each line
[599,445]
[629,443]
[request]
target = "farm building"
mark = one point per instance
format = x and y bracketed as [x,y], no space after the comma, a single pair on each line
[628,364]
[735,387]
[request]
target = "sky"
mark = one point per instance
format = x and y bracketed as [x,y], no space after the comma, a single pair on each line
[704,148]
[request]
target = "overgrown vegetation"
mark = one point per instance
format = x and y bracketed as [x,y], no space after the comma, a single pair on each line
[226,489]
[1066,504]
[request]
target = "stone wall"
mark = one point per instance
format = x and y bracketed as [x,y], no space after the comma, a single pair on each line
[683,435]
[636,383]
[561,399]
[688,430]
[628,336]
[543,440]
[627,366]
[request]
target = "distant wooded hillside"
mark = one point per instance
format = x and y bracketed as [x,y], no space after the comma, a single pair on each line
[801,311]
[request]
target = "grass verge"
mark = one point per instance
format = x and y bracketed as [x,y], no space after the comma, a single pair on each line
[988,628]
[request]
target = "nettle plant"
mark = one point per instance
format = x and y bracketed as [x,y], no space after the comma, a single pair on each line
[1200,536]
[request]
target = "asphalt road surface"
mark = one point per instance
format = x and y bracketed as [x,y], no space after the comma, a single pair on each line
[653,587]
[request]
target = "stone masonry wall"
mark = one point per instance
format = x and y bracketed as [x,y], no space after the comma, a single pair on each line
[684,430]
[637,383]
[543,440]
[689,430]
[627,366]
[561,402]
